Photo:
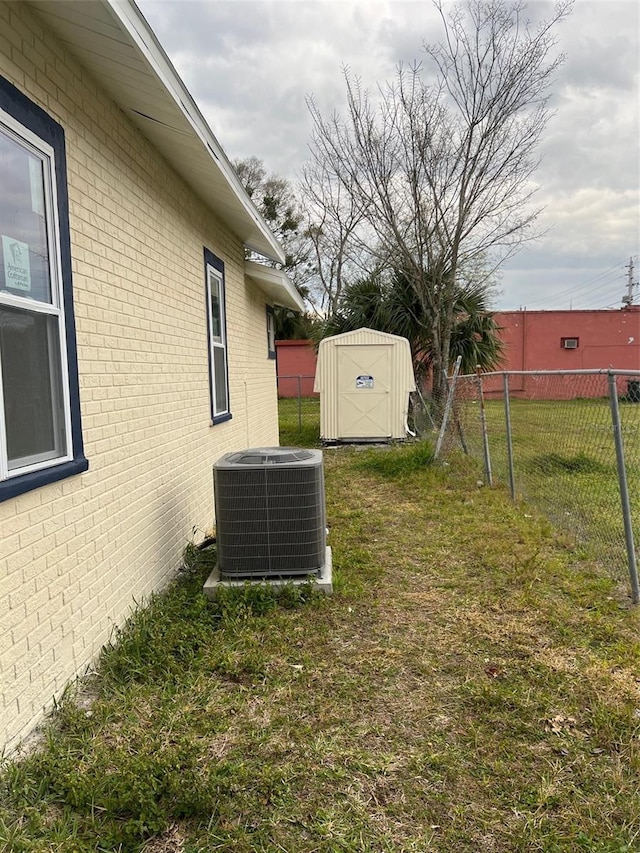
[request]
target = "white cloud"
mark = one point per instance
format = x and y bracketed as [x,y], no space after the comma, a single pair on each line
[251,63]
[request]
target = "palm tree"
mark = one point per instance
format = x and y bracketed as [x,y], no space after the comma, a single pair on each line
[293,326]
[391,305]
[476,335]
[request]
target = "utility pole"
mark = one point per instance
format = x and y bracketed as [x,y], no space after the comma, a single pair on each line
[627,299]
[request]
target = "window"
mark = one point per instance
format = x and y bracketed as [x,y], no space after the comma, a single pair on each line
[40,432]
[271,333]
[217,332]
[569,343]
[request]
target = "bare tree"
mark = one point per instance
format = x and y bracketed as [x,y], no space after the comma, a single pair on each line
[333,219]
[442,170]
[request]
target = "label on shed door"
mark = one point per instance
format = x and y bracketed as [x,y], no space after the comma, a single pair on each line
[364,381]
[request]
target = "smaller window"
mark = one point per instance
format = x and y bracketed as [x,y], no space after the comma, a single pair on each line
[271,332]
[217,333]
[569,343]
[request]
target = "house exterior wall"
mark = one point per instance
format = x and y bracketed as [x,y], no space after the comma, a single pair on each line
[295,359]
[75,554]
[533,341]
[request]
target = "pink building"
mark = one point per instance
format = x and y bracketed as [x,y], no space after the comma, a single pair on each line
[534,340]
[571,340]
[296,368]
[568,340]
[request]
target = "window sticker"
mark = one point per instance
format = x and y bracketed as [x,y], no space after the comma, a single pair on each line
[364,381]
[17,272]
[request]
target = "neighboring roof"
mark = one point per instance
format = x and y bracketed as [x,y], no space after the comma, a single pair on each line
[276,284]
[112,39]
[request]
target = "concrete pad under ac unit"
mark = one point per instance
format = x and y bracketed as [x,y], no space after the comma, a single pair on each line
[324,581]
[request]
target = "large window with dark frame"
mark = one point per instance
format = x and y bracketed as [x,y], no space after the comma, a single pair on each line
[40,437]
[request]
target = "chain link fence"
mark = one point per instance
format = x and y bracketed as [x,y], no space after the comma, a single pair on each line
[567,442]
[296,386]
[299,409]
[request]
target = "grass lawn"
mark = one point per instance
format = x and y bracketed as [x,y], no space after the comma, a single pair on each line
[472,685]
[299,421]
[565,464]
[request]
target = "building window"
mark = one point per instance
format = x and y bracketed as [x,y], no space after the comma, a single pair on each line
[217,333]
[569,343]
[271,332]
[40,432]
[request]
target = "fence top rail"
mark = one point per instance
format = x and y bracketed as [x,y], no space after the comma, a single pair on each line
[604,371]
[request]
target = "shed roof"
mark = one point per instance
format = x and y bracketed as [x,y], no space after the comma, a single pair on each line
[366,335]
[113,40]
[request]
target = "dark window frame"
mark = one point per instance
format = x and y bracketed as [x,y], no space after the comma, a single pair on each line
[29,115]
[211,260]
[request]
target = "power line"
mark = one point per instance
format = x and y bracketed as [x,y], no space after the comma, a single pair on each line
[602,291]
[570,291]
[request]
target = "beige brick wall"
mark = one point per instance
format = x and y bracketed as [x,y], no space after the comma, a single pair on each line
[75,554]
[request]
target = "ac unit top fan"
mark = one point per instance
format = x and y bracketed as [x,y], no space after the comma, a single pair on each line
[270,512]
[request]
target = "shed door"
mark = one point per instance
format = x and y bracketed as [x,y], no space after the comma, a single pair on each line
[364,378]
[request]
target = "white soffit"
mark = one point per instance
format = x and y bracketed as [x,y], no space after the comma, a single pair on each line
[113,41]
[276,284]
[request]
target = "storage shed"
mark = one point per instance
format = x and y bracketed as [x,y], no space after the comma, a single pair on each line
[364,379]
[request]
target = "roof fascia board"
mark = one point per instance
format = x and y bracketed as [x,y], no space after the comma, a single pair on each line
[135,24]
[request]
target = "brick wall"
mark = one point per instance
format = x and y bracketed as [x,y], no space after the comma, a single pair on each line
[75,554]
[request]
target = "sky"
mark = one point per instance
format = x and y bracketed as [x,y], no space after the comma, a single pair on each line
[251,64]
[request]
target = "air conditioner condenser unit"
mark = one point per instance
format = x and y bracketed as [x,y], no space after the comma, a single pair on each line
[270,513]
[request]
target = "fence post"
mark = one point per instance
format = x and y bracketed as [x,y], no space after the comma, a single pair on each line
[507,419]
[485,436]
[447,408]
[624,489]
[299,404]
